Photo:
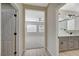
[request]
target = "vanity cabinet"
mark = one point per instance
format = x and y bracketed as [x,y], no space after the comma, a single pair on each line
[68,43]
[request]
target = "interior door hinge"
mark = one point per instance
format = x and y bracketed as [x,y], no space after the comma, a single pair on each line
[15,33]
[15,15]
[15,53]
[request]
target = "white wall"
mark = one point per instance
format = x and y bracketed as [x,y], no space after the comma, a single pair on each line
[21,27]
[34,41]
[0,29]
[52,40]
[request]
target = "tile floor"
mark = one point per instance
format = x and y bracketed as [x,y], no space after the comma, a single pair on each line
[34,41]
[35,52]
[70,53]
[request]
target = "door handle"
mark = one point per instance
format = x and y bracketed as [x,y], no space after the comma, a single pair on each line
[61,42]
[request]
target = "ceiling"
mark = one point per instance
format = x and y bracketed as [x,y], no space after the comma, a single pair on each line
[38,4]
[71,7]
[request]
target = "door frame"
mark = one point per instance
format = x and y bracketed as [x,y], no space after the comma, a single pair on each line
[57,12]
[26,6]
[17,27]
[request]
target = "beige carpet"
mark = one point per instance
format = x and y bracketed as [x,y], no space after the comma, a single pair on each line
[70,53]
[35,52]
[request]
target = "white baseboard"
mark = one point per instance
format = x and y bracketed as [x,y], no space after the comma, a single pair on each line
[48,52]
[23,53]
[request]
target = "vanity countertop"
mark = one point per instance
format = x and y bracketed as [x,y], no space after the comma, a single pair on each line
[68,36]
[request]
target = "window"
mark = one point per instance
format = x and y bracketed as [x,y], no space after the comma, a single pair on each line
[35,19]
[41,19]
[41,28]
[32,19]
[31,28]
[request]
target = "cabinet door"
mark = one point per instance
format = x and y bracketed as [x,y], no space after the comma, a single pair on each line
[63,44]
[76,42]
[70,43]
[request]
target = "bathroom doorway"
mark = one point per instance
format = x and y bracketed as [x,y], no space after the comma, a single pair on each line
[34,29]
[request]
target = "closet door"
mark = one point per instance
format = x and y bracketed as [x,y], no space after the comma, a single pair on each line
[8,29]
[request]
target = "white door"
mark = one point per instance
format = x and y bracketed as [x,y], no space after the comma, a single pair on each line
[8,29]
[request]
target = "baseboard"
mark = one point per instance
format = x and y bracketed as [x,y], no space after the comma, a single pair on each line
[23,53]
[34,48]
[48,53]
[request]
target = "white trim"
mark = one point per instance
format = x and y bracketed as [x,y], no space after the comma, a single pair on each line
[57,40]
[0,29]
[17,12]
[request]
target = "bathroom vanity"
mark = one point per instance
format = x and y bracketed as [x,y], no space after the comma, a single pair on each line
[68,30]
[68,43]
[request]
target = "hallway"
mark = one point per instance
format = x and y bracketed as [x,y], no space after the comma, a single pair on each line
[35,52]
[29,34]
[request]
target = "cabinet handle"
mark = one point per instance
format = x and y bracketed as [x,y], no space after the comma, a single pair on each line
[61,42]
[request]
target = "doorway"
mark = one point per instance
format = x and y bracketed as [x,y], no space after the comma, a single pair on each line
[9,30]
[34,29]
